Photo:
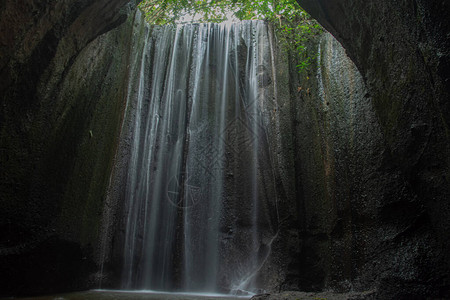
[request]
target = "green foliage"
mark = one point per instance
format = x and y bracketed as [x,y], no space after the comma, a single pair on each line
[184,11]
[293,25]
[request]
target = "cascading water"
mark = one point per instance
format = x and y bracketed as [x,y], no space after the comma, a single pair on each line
[200,199]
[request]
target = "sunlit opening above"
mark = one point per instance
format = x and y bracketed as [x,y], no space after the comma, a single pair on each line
[219,11]
[291,23]
[198,17]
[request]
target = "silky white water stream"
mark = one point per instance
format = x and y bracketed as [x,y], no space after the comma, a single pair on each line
[200,190]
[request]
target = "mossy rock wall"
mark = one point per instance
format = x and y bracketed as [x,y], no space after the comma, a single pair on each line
[360,221]
[401,50]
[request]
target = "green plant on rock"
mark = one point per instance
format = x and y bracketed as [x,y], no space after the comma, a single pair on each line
[293,25]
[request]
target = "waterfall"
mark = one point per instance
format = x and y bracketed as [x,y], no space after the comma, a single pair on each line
[200,208]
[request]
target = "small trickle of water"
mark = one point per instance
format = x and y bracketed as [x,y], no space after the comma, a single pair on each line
[200,191]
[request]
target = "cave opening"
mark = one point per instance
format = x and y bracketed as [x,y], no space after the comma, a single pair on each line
[350,155]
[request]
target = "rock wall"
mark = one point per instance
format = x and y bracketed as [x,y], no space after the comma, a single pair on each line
[358,224]
[396,206]
[113,226]
[62,94]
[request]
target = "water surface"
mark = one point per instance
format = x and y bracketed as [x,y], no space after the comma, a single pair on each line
[135,295]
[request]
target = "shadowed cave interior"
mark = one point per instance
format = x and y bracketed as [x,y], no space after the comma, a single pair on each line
[197,158]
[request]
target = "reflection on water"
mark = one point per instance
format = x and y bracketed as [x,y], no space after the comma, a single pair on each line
[134,295]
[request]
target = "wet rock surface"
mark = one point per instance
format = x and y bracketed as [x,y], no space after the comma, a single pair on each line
[360,225]
[400,50]
[367,295]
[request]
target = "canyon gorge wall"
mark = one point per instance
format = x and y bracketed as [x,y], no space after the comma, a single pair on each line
[365,158]
[62,94]
[402,51]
